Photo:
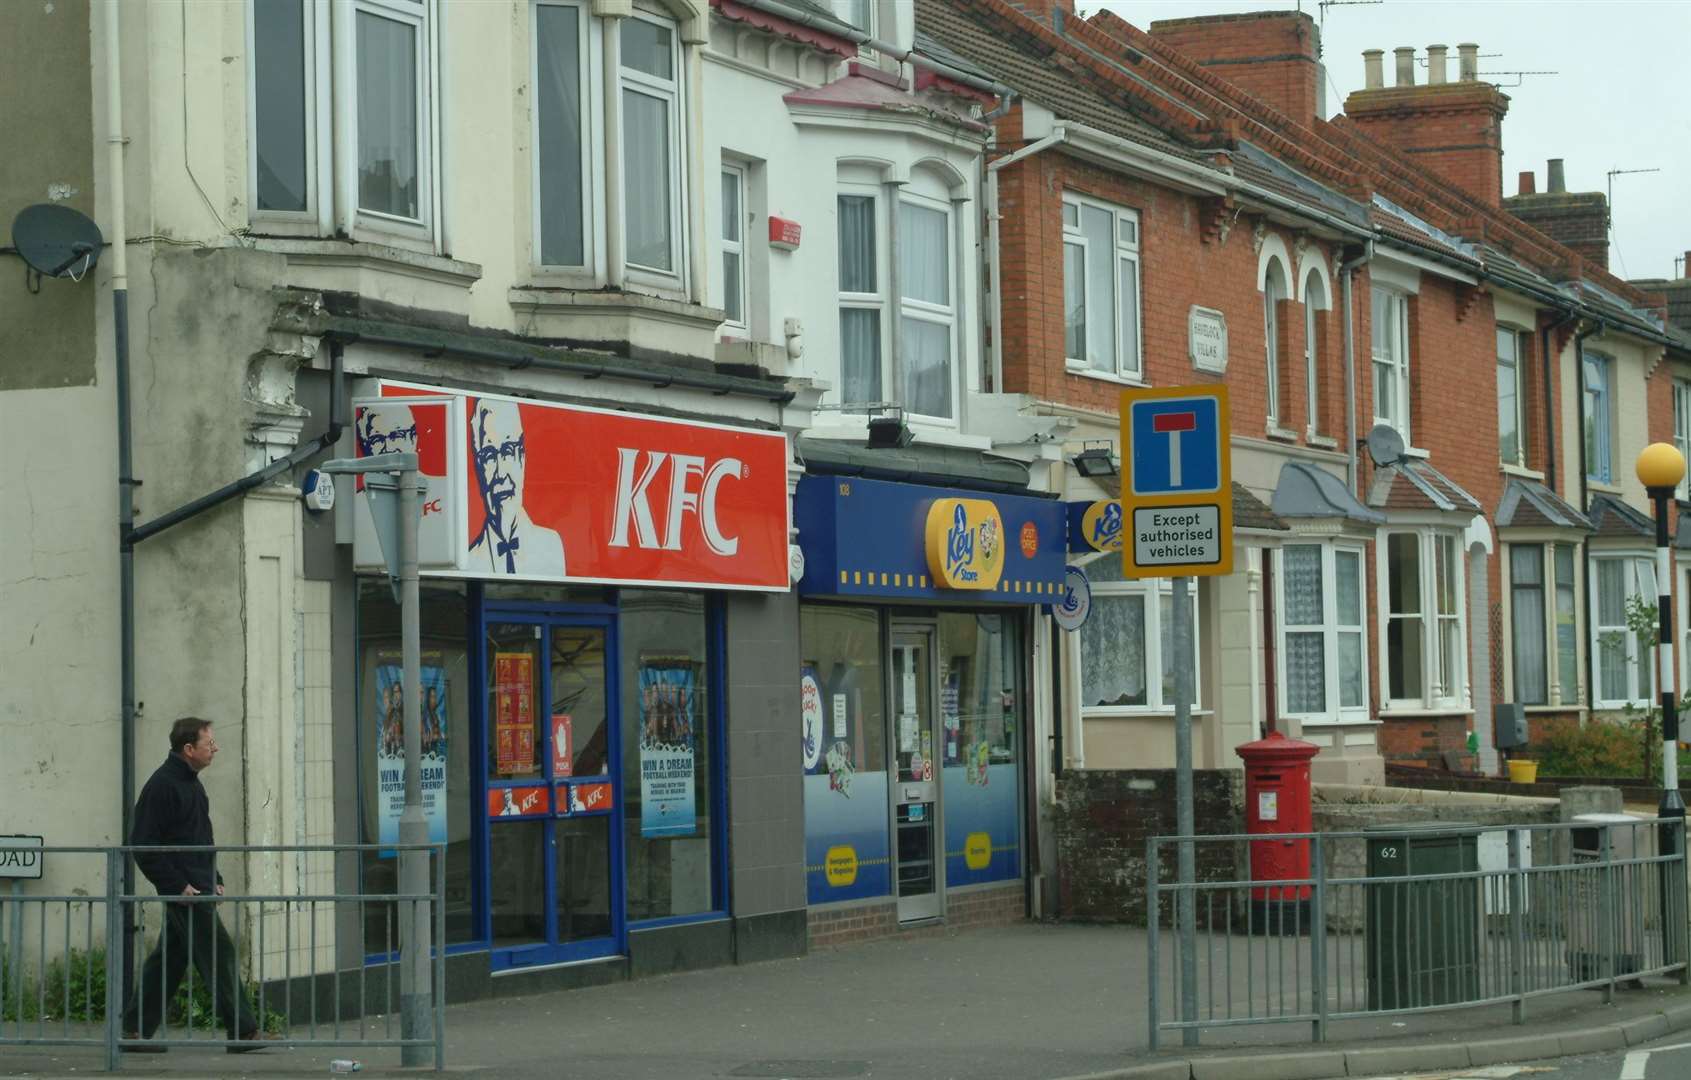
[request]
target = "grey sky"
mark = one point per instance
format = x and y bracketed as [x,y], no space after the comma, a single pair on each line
[1621,98]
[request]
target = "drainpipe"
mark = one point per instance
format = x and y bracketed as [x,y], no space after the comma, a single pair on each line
[125,467]
[1584,332]
[1058,134]
[1548,337]
[1347,271]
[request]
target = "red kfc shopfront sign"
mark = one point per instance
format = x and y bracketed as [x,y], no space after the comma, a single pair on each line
[549,492]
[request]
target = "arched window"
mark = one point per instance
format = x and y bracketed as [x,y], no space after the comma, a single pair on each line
[1273,292]
[1314,300]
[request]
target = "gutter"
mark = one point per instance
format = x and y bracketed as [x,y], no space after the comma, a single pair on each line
[1347,271]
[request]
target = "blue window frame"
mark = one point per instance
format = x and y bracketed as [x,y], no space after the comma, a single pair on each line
[1597,418]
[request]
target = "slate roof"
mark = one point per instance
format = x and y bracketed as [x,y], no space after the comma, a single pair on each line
[1305,491]
[1249,512]
[1415,485]
[1528,504]
[1612,517]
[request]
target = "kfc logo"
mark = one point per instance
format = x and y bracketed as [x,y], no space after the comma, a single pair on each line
[633,503]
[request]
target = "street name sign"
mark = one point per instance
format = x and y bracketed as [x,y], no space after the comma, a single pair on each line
[1177,482]
[20,857]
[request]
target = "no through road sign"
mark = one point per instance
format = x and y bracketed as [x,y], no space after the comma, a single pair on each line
[1177,490]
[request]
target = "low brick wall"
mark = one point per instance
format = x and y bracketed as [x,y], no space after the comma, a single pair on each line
[1102,818]
[995,905]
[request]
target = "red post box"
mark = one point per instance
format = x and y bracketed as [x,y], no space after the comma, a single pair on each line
[1277,800]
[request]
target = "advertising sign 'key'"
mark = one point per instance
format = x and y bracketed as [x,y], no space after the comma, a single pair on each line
[965,544]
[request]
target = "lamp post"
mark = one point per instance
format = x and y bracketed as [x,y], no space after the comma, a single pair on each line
[1660,468]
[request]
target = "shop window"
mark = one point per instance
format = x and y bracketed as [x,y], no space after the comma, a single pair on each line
[843,705]
[446,731]
[1511,427]
[1318,606]
[1101,287]
[1542,636]
[1597,417]
[668,736]
[1625,668]
[1127,645]
[1390,347]
[981,719]
[1424,585]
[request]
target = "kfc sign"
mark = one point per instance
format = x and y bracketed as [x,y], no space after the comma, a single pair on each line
[565,493]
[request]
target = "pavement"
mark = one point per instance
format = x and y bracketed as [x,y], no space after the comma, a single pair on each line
[1025,1002]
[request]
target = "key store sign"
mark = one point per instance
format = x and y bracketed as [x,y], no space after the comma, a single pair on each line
[554,492]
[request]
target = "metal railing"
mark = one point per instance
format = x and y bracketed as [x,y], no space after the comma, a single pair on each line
[1406,920]
[317,967]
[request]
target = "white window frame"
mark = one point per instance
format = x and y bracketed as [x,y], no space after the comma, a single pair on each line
[1396,358]
[1127,248]
[592,141]
[739,175]
[1682,429]
[1441,691]
[839,7]
[872,301]
[1599,415]
[316,218]
[1515,363]
[1330,628]
[1312,349]
[1271,331]
[1556,694]
[1640,662]
[1158,594]
[924,311]
[673,92]
[421,15]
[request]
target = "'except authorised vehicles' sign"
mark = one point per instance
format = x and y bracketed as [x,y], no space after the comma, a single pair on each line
[1177,491]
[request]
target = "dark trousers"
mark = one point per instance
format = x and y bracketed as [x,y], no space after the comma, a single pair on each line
[191,932]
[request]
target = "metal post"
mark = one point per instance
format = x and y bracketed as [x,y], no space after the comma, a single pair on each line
[1318,939]
[1186,898]
[1671,834]
[1608,913]
[1517,930]
[117,925]
[1153,920]
[416,1016]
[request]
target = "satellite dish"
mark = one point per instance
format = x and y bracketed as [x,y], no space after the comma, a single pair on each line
[1385,445]
[57,241]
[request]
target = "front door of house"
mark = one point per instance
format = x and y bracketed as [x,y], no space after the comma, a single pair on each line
[554,857]
[918,836]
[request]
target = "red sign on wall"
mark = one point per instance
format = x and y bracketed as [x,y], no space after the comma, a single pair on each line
[566,493]
[517,801]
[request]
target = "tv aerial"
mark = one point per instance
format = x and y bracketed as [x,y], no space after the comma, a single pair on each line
[55,241]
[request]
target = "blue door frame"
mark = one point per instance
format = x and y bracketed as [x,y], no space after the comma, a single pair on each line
[547,617]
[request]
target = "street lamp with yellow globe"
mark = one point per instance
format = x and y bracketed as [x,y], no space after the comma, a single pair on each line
[1660,468]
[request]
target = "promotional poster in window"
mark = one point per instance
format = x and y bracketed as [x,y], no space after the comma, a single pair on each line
[668,711]
[390,744]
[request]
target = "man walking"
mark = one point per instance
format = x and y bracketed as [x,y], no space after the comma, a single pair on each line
[173,810]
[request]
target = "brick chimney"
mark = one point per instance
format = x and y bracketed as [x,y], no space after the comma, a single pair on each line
[1271,54]
[1453,128]
[1576,219]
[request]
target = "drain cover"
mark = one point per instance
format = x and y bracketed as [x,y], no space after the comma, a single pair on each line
[802,1070]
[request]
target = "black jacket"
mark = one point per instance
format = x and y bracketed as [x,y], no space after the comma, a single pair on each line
[173,809]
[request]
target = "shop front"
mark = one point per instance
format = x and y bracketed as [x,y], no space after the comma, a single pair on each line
[915,624]
[577,568]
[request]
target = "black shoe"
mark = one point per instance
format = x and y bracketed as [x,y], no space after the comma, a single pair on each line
[142,1047]
[253,1040]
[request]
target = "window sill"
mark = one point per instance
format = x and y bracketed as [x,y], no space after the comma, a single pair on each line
[1417,452]
[362,255]
[1410,714]
[1534,710]
[1522,471]
[617,318]
[1279,434]
[1104,376]
[1604,486]
[1136,712]
[1328,723]
[1325,442]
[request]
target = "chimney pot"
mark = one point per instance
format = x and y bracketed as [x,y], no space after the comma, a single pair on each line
[1468,62]
[1405,65]
[1685,267]
[1554,180]
[1436,64]
[1529,183]
[1373,76]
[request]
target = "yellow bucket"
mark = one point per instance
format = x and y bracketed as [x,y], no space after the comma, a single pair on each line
[1523,772]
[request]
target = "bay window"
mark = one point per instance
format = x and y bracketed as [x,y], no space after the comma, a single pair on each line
[283,161]
[1101,287]
[1543,642]
[1390,349]
[1624,665]
[649,82]
[1127,644]
[927,312]
[560,140]
[1319,593]
[1510,399]
[734,297]
[1423,612]
[862,306]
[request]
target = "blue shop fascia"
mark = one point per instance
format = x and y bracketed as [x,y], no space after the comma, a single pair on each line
[918,605]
